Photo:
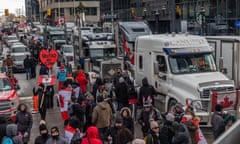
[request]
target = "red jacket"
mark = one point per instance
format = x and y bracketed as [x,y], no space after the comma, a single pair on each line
[82,81]
[92,136]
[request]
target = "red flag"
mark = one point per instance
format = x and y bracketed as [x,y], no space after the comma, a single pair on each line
[125,47]
[132,59]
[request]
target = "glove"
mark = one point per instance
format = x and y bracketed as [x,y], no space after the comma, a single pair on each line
[25,134]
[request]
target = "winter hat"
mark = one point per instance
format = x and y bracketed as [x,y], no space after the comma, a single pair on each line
[218,107]
[42,127]
[170,117]
[119,120]
[147,104]
[153,124]
[121,80]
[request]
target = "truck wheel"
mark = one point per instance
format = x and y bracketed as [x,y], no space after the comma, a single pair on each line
[171,104]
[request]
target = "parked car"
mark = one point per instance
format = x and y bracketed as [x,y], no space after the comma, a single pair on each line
[18,59]
[9,99]
[11,39]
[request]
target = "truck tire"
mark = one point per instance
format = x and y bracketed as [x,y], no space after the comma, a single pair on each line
[171,104]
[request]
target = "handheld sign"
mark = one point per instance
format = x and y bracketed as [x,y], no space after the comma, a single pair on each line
[48,57]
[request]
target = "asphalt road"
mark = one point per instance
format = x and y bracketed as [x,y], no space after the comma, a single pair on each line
[53,115]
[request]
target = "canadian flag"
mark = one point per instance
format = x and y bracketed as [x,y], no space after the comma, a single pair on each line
[64,96]
[69,132]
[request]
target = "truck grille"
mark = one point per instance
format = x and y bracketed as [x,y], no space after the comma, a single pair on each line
[5,105]
[207,92]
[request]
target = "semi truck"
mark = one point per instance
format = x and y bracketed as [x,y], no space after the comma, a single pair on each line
[182,69]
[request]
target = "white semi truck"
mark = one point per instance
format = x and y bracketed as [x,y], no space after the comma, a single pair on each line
[182,69]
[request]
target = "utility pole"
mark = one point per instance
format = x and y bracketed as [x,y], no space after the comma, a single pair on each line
[173,15]
[112,16]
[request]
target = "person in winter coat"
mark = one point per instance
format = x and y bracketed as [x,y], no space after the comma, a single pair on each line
[27,66]
[82,81]
[181,134]
[178,112]
[3,127]
[101,117]
[96,85]
[12,132]
[55,137]
[61,76]
[117,76]
[24,121]
[44,136]
[154,136]
[92,136]
[148,114]
[127,119]
[34,64]
[121,94]
[146,92]
[118,125]
[166,131]
[218,121]
[124,136]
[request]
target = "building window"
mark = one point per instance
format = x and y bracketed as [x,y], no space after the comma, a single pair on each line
[140,62]
[91,11]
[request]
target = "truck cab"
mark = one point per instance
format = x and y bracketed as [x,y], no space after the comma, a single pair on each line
[181,68]
[9,99]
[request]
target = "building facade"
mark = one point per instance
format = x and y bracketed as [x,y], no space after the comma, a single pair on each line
[32,10]
[65,8]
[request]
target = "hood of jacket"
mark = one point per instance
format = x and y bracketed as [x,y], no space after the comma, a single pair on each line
[12,130]
[127,109]
[145,82]
[92,132]
[103,105]
[19,106]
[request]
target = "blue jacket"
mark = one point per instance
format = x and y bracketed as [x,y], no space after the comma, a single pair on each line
[62,75]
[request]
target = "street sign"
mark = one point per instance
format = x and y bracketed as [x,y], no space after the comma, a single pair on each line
[237,24]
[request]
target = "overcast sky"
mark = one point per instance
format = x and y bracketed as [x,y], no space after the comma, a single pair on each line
[12,5]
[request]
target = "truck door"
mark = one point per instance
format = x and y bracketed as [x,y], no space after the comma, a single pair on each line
[161,81]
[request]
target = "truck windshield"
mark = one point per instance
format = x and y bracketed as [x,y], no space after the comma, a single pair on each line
[102,53]
[5,85]
[192,63]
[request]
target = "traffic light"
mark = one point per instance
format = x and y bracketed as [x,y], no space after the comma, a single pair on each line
[132,10]
[6,12]
[49,12]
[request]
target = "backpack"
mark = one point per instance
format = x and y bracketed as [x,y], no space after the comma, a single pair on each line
[7,140]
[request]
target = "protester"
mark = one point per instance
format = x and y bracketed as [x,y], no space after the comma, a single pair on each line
[82,81]
[27,66]
[71,130]
[167,130]
[178,112]
[118,125]
[146,92]
[64,96]
[3,127]
[24,122]
[43,70]
[44,136]
[121,94]
[61,76]
[101,117]
[124,136]
[34,63]
[192,123]
[117,76]
[92,136]
[96,86]
[42,100]
[218,121]
[55,137]
[9,61]
[12,133]
[127,119]
[154,136]
[147,114]
[76,89]
[229,120]
[50,95]
[181,134]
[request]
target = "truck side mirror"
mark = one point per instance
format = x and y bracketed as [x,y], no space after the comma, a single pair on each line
[156,68]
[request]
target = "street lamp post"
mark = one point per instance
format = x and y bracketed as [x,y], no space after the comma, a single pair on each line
[202,12]
[157,21]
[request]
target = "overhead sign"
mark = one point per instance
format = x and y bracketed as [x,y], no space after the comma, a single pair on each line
[48,58]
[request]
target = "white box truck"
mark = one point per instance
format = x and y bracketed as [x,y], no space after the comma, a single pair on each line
[181,68]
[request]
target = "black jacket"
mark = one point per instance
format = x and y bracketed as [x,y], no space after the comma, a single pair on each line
[113,133]
[41,139]
[121,92]
[24,120]
[218,124]
[47,94]
[27,63]
[167,133]
[182,135]
[128,123]
[146,90]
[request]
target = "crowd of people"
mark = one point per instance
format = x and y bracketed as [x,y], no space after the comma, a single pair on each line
[92,117]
